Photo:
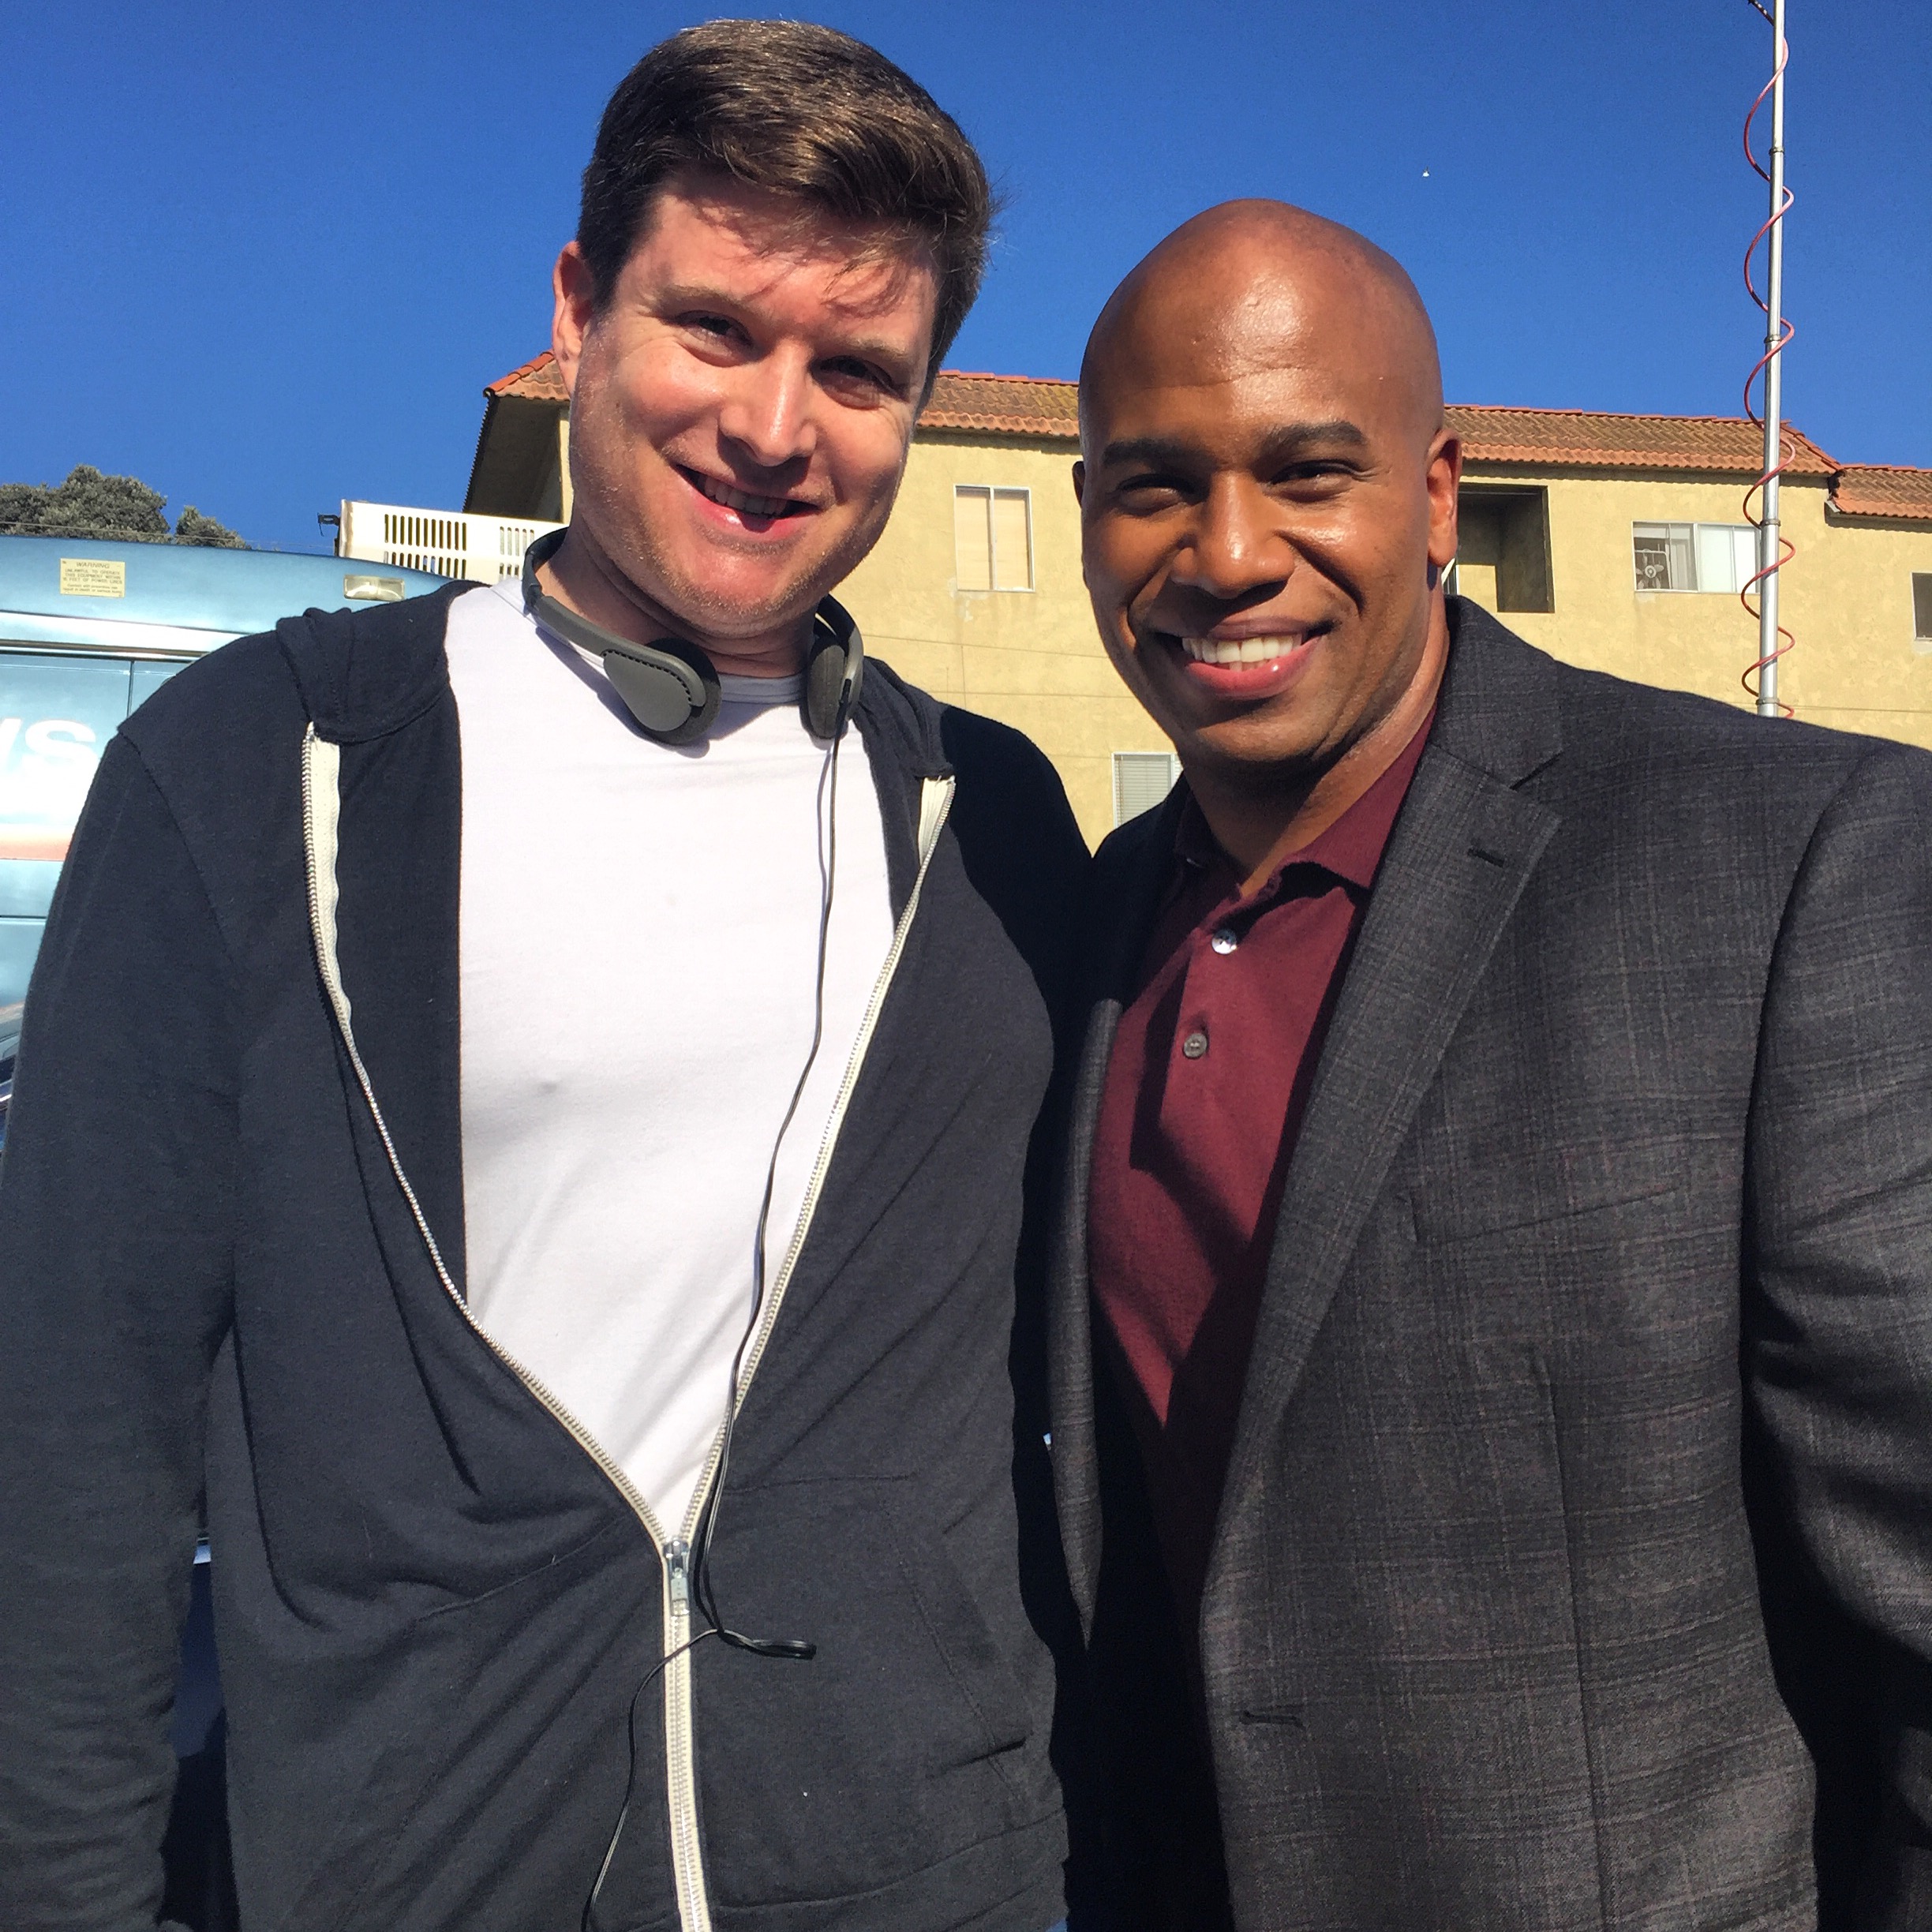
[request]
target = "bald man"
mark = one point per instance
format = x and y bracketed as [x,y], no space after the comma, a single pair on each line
[1493,1333]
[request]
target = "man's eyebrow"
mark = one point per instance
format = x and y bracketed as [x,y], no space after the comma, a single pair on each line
[880,348]
[1281,445]
[696,295]
[1154,452]
[1294,439]
[683,295]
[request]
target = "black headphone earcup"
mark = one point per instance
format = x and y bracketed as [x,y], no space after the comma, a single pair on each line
[833,669]
[670,687]
[673,702]
[824,689]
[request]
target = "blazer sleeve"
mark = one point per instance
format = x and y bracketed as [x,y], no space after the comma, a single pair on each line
[1837,1338]
[115,1195]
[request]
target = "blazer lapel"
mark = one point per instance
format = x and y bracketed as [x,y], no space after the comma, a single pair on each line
[1128,878]
[1462,849]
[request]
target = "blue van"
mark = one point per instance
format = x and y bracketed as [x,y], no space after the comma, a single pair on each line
[87,630]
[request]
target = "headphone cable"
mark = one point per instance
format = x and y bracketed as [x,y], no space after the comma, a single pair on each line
[795,1649]
[589,1920]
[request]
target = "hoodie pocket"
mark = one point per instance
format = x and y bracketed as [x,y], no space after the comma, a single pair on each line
[506,1707]
[905,1740]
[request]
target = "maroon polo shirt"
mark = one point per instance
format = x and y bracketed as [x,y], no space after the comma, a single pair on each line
[1211,1071]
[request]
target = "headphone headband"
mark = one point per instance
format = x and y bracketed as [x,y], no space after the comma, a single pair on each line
[671,687]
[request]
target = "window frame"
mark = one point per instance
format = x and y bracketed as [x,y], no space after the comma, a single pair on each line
[1653,528]
[1116,766]
[992,492]
[1696,587]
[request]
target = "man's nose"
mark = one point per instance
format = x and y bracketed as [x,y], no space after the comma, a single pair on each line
[1237,543]
[768,412]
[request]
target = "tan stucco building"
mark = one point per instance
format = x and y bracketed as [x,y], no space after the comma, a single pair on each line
[1613,541]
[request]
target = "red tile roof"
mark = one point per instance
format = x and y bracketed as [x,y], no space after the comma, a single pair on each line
[537,380]
[1592,439]
[1030,406]
[1883,490]
[1040,406]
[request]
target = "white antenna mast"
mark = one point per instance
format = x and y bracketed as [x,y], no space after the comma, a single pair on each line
[1777,333]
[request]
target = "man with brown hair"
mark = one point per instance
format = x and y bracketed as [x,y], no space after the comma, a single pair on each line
[527,1098]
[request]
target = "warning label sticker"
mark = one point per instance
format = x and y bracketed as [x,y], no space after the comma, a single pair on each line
[93,577]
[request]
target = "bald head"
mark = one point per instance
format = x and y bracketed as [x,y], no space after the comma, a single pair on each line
[1247,284]
[1268,493]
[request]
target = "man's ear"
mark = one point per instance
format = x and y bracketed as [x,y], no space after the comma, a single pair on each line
[1444,479]
[574,309]
[1080,483]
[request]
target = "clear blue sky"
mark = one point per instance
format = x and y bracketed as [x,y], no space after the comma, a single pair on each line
[265,257]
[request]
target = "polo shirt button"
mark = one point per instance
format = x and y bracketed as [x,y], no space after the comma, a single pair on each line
[1224,939]
[1195,1045]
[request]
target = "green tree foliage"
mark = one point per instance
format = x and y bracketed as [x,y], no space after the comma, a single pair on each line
[87,504]
[117,508]
[192,527]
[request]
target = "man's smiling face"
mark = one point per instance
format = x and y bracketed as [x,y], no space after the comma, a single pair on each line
[1264,488]
[740,411]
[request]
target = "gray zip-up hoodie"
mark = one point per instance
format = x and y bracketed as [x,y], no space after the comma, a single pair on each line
[231,1253]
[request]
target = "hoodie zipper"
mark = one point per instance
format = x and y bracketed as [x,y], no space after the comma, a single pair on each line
[321,810]
[680,1772]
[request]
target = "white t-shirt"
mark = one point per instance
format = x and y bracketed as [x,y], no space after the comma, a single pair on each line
[639,936]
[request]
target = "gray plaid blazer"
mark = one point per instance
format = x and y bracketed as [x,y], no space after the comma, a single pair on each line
[1575,1566]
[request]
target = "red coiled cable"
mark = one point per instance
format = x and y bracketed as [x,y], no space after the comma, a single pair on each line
[1786,549]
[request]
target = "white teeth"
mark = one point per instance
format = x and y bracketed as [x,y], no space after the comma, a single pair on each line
[1245,651]
[737,499]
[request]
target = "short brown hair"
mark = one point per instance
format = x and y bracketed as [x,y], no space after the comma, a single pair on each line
[802,110]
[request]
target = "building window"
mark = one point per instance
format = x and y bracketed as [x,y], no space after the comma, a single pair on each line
[1727,556]
[992,538]
[1694,556]
[1502,558]
[1666,555]
[1921,606]
[1141,780]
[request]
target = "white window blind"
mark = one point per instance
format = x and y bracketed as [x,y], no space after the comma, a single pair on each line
[1141,780]
[1694,556]
[972,538]
[1013,539]
[992,538]
[1727,555]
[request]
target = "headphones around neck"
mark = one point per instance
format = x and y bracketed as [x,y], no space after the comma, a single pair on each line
[671,687]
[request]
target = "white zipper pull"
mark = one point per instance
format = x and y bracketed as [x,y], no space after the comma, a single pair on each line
[677,1571]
